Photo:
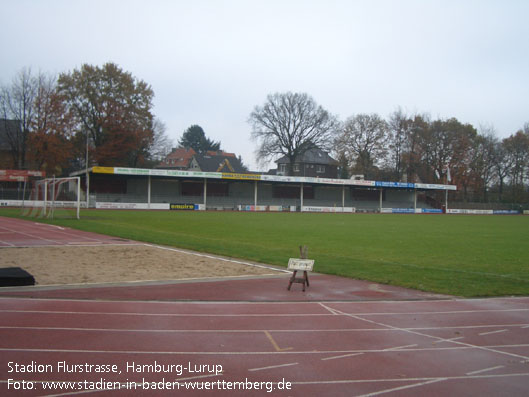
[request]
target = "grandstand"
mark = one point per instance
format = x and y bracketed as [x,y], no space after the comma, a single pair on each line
[115,187]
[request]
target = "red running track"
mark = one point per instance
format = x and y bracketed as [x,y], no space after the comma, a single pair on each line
[401,348]
[21,233]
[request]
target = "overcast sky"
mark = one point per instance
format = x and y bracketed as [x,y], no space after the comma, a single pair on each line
[211,62]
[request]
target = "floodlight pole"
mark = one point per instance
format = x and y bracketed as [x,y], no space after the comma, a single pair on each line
[87,175]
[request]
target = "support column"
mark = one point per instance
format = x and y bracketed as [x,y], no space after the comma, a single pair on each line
[205,192]
[380,206]
[343,198]
[149,192]
[255,194]
[301,197]
[415,200]
[446,201]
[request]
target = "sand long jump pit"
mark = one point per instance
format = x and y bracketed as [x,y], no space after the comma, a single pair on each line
[73,264]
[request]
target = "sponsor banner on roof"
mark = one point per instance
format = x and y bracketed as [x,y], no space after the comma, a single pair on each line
[103,170]
[250,177]
[395,184]
[434,186]
[361,183]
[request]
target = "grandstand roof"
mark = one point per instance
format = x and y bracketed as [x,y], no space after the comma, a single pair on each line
[263,177]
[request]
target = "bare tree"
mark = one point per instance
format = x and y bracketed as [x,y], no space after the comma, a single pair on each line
[161,144]
[17,103]
[289,124]
[399,126]
[517,151]
[482,153]
[363,142]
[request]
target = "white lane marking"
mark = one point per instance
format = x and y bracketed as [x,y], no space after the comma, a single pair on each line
[334,312]
[272,367]
[377,393]
[485,370]
[492,332]
[342,356]
[399,347]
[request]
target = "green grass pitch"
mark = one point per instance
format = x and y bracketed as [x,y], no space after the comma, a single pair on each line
[460,255]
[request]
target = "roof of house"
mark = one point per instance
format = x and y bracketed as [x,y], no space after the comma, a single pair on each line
[178,158]
[311,156]
[220,162]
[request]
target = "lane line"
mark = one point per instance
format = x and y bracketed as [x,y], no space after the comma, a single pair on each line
[433,313]
[239,353]
[167,314]
[492,332]
[235,330]
[272,367]
[342,356]
[292,303]
[333,313]
[377,393]
[485,370]
[399,347]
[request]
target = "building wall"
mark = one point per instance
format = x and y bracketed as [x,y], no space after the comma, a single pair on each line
[311,170]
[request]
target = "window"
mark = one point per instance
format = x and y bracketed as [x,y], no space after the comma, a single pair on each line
[282,168]
[320,169]
[296,168]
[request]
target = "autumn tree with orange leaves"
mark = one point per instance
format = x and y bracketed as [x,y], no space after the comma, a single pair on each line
[112,110]
[50,141]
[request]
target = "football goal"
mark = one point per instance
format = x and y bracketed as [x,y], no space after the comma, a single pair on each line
[54,198]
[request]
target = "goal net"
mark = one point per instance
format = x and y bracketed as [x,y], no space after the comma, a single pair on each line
[54,198]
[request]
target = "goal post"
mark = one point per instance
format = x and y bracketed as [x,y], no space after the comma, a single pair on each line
[54,198]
